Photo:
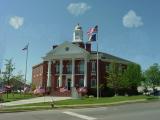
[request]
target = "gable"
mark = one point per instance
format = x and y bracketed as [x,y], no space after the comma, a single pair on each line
[66,50]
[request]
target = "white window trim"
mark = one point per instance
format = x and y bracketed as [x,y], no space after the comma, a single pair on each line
[82,82]
[81,67]
[108,66]
[93,66]
[57,69]
[92,83]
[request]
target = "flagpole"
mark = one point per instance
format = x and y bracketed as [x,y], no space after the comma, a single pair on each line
[90,33]
[26,66]
[97,68]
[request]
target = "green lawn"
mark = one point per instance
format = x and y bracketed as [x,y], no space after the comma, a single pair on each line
[100,100]
[72,103]
[16,96]
[86,101]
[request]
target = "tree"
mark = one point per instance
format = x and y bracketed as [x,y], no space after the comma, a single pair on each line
[9,67]
[17,81]
[132,76]
[1,82]
[152,75]
[114,77]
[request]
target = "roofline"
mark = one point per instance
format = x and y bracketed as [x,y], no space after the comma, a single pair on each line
[118,59]
[37,65]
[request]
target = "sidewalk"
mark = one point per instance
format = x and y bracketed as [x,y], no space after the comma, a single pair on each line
[34,100]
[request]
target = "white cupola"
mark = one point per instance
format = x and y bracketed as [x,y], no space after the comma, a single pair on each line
[78,34]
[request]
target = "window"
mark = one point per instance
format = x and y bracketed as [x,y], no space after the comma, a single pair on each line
[67,48]
[57,82]
[77,68]
[57,68]
[69,68]
[120,68]
[93,83]
[93,66]
[81,67]
[77,35]
[81,82]
[108,67]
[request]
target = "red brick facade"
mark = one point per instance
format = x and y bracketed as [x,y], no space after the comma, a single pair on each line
[39,75]
[73,65]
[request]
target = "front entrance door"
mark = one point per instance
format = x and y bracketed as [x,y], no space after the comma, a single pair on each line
[69,84]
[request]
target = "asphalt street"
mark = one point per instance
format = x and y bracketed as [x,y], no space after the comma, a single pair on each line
[136,111]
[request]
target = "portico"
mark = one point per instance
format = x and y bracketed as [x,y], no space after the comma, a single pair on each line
[76,69]
[66,63]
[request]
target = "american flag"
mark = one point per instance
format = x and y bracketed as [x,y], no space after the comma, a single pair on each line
[26,47]
[92,30]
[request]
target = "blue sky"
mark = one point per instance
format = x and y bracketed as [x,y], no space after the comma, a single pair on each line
[127,28]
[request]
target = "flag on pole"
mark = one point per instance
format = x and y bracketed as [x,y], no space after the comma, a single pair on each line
[96,29]
[26,47]
[92,38]
[92,33]
[92,30]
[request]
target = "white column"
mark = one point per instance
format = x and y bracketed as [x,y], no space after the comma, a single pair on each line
[73,72]
[85,72]
[60,73]
[49,74]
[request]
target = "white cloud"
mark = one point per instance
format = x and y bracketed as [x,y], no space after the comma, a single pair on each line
[16,22]
[78,8]
[131,20]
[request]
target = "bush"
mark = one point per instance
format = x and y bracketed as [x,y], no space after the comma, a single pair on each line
[1,99]
[107,92]
[85,96]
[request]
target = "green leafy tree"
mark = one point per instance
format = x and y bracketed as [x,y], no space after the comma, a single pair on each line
[114,77]
[17,81]
[152,75]
[8,73]
[1,81]
[9,68]
[132,76]
[33,87]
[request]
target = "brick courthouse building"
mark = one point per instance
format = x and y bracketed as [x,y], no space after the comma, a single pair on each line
[73,65]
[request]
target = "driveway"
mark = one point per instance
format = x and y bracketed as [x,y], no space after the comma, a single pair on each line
[35,100]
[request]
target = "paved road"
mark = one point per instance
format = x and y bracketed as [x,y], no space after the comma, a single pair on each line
[34,100]
[138,111]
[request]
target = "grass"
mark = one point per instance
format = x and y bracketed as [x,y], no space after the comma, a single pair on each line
[16,96]
[24,109]
[85,101]
[73,103]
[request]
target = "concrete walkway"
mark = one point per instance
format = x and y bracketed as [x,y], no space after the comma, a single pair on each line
[34,100]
